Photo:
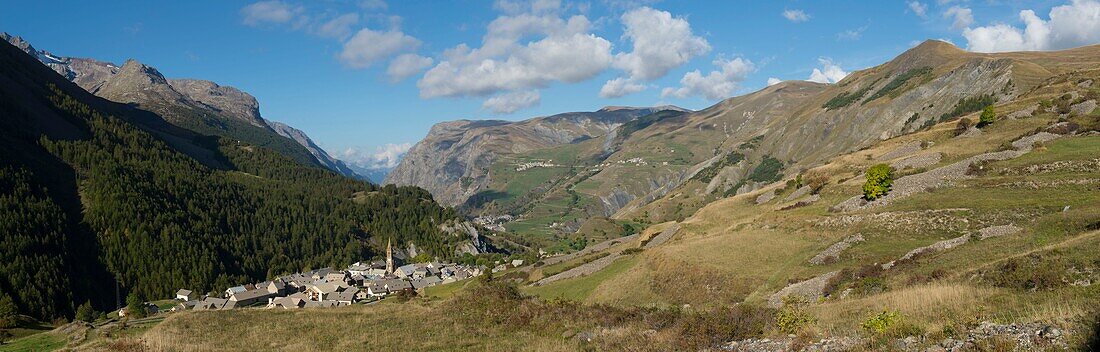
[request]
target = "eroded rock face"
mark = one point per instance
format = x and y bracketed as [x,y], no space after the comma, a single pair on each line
[227,100]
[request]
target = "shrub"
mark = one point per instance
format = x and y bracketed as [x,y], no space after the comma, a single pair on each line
[9,314]
[962,126]
[879,179]
[86,313]
[630,251]
[792,317]
[816,180]
[879,323]
[988,116]
[135,307]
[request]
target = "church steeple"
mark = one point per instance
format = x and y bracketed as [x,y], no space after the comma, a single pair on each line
[389,256]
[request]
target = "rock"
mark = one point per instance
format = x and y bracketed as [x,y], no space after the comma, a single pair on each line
[996,231]
[1083,108]
[766,197]
[906,149]
[833,252]
[917,161]
[937,247]
[809,290]
[801,191]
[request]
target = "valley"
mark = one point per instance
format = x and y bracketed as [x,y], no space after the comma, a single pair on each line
[941,199]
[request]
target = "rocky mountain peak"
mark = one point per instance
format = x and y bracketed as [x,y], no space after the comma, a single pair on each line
[227,100]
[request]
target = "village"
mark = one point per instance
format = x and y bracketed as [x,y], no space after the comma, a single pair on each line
[327,287]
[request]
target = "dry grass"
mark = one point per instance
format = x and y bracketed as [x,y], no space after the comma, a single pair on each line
[927,305]
[384,326]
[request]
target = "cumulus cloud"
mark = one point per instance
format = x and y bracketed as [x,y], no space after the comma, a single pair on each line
[796,16]
[338,27]
[369,46]
[1071,25]
[773,81]
[716,84]
[963,17]
[556,50]
[620,87]
[381,157]
[269,12]
[828,73]
[407,65]
[508,103]
[661,42]
[918,8]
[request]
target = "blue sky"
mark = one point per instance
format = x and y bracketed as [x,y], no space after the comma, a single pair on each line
[367,78]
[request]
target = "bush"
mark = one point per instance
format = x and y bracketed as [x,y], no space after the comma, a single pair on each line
[879,323]
[9,314]
[879,179]
[86,313]
[988,116]
[962,126]
[816,180]
[135,307]
[630,251]
[792,317]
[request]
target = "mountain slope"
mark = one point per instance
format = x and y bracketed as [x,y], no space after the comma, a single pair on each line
[672,166]
[453,160]
[93,192]
[198,105]
[321,155]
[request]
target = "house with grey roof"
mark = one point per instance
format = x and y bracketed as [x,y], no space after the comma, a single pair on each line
[184,295]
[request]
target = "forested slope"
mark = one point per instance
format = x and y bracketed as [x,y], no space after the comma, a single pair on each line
[93,191]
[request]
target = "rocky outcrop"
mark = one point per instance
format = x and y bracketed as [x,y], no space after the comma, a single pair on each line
[809,290]
[998,231]
[226,100]
[833,252]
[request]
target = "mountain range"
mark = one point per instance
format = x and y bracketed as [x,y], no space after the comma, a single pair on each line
[199,105]
[587,174]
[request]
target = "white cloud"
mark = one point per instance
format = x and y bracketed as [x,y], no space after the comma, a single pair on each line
[407,65]
[773,81]
[557,50]
[382,157]
[338,27]
[851,34]
[368,46]
[716,84]
[373,4]
[619,87]
[962,16]
[918,8]
[271,11]
[661,42]
[828,73]
[1071,25]
[796,16]
[508,103]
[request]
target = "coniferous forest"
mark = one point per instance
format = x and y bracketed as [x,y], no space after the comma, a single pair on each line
[92,192]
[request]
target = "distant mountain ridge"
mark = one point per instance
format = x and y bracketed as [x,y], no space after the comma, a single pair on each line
[452,161]
[199,105]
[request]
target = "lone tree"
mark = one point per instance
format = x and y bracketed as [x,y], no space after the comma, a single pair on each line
[86,313]
[9,313]
[988,116]
[135,307]
[879,179]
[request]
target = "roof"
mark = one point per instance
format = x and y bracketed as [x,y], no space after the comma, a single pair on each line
[183,292]
[251,295]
